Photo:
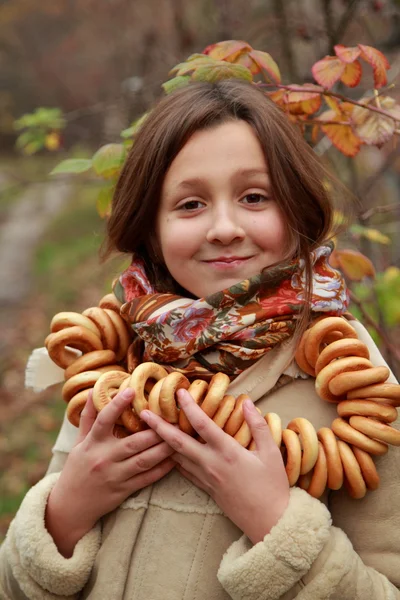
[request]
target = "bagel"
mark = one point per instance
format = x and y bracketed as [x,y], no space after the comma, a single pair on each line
[292,455]
[75,337]
[340,349]
[105,325]
[110,301]
[217,387]
[309,442]
[335,368]
[167,400]
[376,430]
[123,333]
[389,391]
[354,480]
[90,362]
[76,406]
[335,468]
[367,408]
[197,389]
[346,432]
[318,477]
[104,385]
[63,320]
[319,331]
[138,380]
[79,382]
[236,419]
[341,384]
[368,469]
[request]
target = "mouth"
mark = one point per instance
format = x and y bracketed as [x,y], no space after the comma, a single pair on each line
[228,262]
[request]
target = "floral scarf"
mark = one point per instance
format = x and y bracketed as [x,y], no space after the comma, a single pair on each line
[229,330]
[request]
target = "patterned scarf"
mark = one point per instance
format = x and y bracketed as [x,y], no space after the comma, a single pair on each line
[230,330]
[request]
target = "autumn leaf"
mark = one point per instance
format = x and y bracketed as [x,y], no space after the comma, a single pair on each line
[353,264]
[228,50]
[374,235]
[190,65]
[220,70]
[328,71]
[379,64]
[341,134]
[371,127]
[352,74]
[72,165]
[347,55]
[104,199]
[175,83]
[266,65]
[108,160]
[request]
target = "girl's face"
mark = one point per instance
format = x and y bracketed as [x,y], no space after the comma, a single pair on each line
[218,223]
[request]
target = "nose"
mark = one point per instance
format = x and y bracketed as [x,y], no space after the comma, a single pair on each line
[224,226]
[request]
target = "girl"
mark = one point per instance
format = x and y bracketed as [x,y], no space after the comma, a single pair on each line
[223,207]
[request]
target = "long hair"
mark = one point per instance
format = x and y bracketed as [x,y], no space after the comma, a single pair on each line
[298,179]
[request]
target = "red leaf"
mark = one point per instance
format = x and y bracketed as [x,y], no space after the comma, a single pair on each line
[379,64]
[228,50]
[328,71]
[266,63]
[352,74]
[347,55]
[341,135]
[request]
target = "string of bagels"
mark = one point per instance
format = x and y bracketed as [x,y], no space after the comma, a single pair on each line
[329,351]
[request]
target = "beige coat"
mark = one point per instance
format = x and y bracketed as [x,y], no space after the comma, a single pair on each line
[170,541]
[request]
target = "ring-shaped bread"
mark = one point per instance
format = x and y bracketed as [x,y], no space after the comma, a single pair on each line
[309,442]
[90,362]
[74,337]
[346,432]
[335,468]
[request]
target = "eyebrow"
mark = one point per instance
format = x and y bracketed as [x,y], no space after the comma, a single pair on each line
[188,183]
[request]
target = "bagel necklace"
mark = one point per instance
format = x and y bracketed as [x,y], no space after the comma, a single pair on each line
[329,350]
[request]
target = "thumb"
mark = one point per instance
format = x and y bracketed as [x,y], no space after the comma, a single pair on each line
[259,429]
[88,417]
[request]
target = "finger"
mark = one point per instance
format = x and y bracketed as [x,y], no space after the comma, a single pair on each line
[133,444]
[88,417]
[144,461]
[177,439]
[205,427]
[188,475]
[258,427]
[137,482]
[108,416]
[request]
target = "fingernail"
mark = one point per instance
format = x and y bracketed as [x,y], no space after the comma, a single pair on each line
[249,405]
[127,394]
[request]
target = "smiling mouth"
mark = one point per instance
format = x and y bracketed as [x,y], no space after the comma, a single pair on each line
[227,263]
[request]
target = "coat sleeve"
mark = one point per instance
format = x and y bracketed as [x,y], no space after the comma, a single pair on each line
[349,552]
[31,568]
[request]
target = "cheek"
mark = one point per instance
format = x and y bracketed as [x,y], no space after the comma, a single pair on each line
[177,240]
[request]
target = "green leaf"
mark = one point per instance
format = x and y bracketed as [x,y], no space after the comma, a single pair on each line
[104,199]
[175,83]
[221,70]
[134,128]
[108,160]
[72,165]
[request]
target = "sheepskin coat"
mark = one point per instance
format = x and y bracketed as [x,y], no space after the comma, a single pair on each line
[170,541]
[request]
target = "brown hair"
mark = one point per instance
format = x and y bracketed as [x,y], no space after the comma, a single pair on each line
[298,178]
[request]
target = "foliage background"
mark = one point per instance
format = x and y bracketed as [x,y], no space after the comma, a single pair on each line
[103,62]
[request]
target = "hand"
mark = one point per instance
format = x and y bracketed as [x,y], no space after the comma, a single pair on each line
[251,488]
[102,471]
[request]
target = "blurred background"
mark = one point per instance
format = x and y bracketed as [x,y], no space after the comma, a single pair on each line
[102,63]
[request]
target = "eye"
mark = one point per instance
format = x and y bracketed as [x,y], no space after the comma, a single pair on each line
[191,205]
[254,198]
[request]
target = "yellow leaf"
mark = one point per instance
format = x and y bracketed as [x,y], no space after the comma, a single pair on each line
[352,74]
[328,71]
[347,55]
[353,264]
[371,127]
[391,274]
[52,141]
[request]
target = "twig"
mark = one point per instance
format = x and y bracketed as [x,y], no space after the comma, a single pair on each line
[379,210]
[344,21]
[324,92]
[368,319]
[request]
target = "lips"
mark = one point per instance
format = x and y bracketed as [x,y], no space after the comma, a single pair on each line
[228,259]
